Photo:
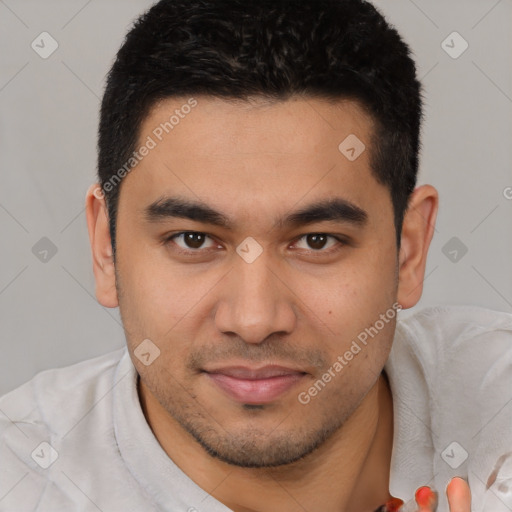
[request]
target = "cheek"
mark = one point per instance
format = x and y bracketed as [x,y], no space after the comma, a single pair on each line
[353,294]
[157,297]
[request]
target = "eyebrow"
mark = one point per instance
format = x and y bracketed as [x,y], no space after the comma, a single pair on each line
[335,209]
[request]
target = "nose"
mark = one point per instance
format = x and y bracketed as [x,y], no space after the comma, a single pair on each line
[256,302]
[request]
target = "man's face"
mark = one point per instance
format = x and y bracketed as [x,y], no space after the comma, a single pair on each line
[283,298]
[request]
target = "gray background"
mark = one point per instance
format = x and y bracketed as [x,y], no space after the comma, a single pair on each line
[48,120]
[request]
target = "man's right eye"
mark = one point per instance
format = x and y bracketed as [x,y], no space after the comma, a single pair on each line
[190,241]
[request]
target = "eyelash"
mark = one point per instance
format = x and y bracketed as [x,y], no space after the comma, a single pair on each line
[170,239]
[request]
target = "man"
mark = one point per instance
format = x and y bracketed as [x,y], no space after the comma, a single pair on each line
[257,223]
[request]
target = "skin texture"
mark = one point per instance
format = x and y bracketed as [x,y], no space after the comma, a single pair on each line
[296,305]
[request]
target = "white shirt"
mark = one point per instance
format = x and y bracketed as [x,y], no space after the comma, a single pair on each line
[450,372]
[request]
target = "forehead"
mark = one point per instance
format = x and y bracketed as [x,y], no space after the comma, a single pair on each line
[249,154]
[221,127]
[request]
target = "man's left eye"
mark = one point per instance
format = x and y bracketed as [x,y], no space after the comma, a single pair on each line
[319,241]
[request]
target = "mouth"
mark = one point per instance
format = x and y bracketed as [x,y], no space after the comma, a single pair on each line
[255,386]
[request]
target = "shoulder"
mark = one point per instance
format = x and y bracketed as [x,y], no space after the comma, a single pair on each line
[452,334]
[467,351]
[458,321]
[36,418]
[56,387]
[53,400]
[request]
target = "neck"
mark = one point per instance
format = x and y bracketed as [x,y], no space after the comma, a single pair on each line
[349,472]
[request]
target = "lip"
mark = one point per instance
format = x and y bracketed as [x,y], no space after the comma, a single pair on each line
[255,385]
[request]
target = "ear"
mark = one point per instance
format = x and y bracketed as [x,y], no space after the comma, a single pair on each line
[417,231]
[101,246]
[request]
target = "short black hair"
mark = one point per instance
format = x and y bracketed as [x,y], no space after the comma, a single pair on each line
[235,49]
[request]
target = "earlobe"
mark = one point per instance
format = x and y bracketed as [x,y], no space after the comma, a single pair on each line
[101,247]
[417,232]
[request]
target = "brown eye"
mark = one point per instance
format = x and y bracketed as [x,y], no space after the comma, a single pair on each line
[318,242]
[191,240]
[194,240]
